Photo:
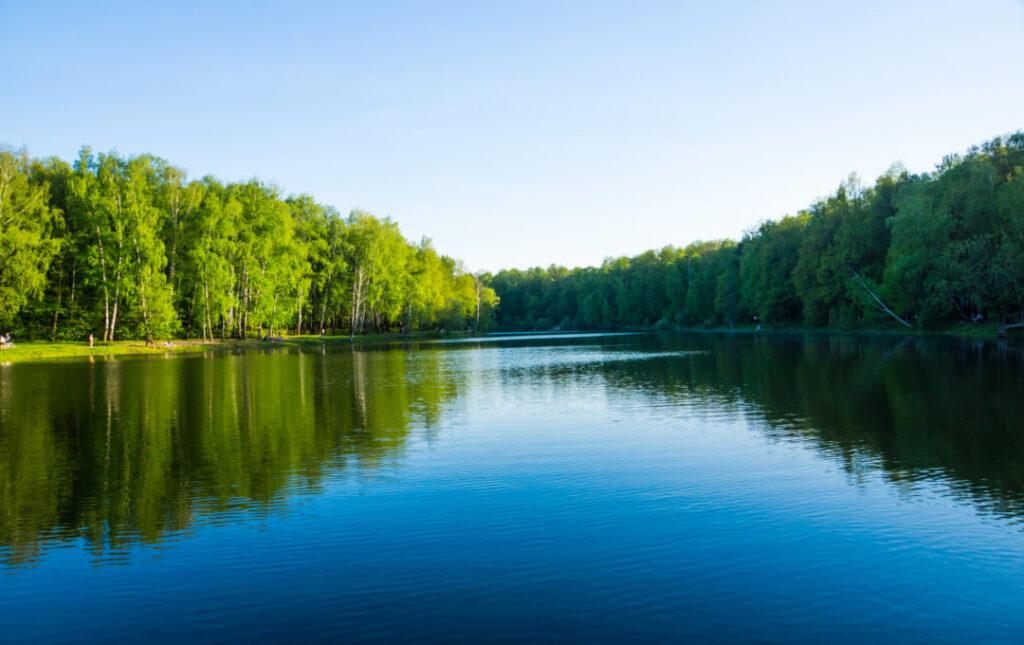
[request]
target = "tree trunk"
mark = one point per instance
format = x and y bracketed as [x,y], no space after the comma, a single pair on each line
[357,303]
[476,325]
[113,316]
[71,302]
[323,313]
[56,308]
[206,310]
[106,315]
[106,290]
[270,323]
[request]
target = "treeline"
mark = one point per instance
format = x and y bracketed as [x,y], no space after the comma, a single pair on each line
[130,248]
[917,250]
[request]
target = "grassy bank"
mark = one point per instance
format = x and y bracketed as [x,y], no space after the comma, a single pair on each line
[45,350]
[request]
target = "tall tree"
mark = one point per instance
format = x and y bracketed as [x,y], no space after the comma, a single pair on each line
[27,245]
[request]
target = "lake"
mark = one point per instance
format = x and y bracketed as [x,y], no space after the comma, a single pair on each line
[579,487]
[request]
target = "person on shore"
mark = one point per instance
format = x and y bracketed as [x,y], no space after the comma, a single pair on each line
[90,340]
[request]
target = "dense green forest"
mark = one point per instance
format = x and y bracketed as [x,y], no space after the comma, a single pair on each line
[130,248]
[920,251]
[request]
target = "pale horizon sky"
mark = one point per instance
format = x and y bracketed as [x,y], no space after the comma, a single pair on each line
[522,134]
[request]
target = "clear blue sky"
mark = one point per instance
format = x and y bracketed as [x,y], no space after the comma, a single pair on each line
[517,134]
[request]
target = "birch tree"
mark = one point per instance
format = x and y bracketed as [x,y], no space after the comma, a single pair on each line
[26,243]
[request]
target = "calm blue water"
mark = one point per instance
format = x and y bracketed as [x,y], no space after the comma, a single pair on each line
[579,488]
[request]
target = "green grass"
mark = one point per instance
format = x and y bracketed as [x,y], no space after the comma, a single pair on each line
[42,350]
[45,350]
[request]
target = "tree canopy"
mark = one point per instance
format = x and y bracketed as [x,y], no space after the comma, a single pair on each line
[129,247]
[932,249]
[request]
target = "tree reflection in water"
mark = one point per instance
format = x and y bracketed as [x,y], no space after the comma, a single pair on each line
[119,452]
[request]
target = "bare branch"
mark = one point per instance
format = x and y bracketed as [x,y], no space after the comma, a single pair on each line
[878,301]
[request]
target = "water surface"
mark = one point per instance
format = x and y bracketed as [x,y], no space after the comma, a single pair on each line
[584,487]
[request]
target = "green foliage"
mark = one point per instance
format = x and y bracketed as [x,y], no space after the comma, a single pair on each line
[935,249]
[147,253]
[130,247]
[27,242]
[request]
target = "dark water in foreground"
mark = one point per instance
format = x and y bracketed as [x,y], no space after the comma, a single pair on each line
[577,488]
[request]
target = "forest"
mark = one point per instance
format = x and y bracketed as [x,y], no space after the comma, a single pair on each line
[913,251]
[130,248]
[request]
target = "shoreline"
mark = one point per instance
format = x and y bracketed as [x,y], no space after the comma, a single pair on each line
[44,350]
[974,331]
[33,351]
